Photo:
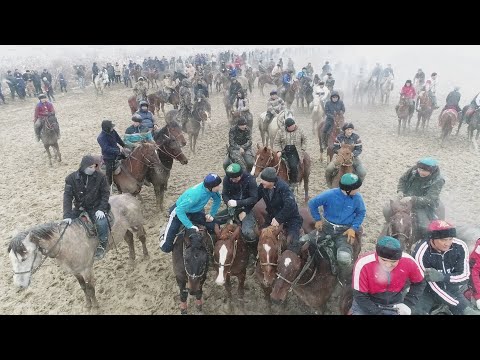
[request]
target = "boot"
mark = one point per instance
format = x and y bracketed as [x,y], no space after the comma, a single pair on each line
[345,275]
[101,249]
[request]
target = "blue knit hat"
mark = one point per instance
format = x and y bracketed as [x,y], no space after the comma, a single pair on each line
[212,180]
[389,248]
[428,164]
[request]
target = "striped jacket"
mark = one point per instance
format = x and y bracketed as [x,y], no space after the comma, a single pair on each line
[453,263]
[354,139]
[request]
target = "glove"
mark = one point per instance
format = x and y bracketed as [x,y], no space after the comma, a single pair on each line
[69,221]
[99,214]
[319,225]
[232,203]
[195,228]
[433,275]
[478,304]
[242,215]
[403,309]
[208,218]
[350,236]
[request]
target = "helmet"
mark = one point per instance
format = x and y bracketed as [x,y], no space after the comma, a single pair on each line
[350,182]
[143,103]
[212,180]
[428,164]
[234,170]
[440,229]
[389,248]
[347,126]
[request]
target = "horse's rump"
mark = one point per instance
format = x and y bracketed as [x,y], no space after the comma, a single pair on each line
[448,116]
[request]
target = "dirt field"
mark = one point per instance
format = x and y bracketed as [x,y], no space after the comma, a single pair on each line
[31,192]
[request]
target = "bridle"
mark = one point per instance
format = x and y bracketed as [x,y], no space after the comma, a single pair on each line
[279,252]
[149,163]
[234,254]
[270,159]
[344,163]
[299,276]
[185,265]
[45,254]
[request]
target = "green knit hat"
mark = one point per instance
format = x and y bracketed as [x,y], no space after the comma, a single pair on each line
[389,248]
[234,170]
[350,182]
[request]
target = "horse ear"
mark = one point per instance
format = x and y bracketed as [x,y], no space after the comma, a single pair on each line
[258,146]
[217,231]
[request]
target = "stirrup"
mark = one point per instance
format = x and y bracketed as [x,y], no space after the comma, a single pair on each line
[99,253]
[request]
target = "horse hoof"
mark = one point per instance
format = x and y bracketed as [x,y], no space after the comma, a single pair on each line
[183,312]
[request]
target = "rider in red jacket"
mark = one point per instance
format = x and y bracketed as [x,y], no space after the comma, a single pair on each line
[475,272]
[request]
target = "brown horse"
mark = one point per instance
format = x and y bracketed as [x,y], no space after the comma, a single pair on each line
[447,121]
[310,277]
[425,109]
[190,265]
[230,256]
[401,224]
[169,142]
[403,113]
[266,157]
[343,162]
[338,122]
[133,169]
[152,75]
[264,79]
[290,94]
[49,135]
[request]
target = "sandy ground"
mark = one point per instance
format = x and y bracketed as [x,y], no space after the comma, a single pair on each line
[31,193]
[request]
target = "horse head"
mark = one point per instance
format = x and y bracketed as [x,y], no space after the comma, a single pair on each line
[400,224]
[225,250]
[345,155]
[339,120]
[269,249]
[263,158]
[195,259]
[169,142]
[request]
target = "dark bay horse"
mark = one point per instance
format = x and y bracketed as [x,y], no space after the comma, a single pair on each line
[170,141]
[72,248]
[190,265]
[230,256]
[264,79]
[344,163]
[133,169]
[290,94]
[202,110]
[474,125]
[49,135]
[310,277]
[305,94]
[403,113]
[266,157]
[338,122]
[447,121]
[425,109]
[401,224]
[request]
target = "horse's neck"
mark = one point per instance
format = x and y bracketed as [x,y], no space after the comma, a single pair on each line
[135,165]
[166,160]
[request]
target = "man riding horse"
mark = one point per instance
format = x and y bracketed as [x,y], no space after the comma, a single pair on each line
[332,107]
[43,110]
[186,106]
[235,88]
[140,90]
[240,146]
[275,105]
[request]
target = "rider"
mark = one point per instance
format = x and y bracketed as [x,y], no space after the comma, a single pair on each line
[432,92]
[343,214]
[347,137]
[422,185]
[240,193]
[376,73]
[190,207]
[475,270]
[373,294]
[419,78]
[309,68]
[409,92]
[186,105]
[43,109]
[386,74]
[109,141]
[240,145]
[290,142]
[329,82]
[140,90]
[276,73]
[261,68]
[232,72]
[322,91]
[200,86]
[287,80]
[281,207]
[290,65]
[444,259]
[235,88]
[137,133]
[453,98]
[168,85]
[242,106]
[326,68]
[332,107]
[89,192]
[275,105]
[147,117]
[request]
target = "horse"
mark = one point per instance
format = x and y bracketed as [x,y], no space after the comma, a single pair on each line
[169,141]
[208,76]
[251,80]
[133,169]
[202,110]
[266,157]
[461,118]
[401,224]
[190,265]
[310,277]
[269,131]
[338,122]
[173,99]
[343,162]
[403,113]
[289,95]
[385,90]
[228,105]
[99,83]
[474,125]
[318,113]
[218,82]
[447,121]
[425,109]
[230,256]
[372,91]
[72,248]
[152,75]
[30,88]
[305,92]
[49,135]
[359,91]
[264,79]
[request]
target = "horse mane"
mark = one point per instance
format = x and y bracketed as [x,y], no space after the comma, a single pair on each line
[268,231]
[196,239]
[43,231]
[16,244]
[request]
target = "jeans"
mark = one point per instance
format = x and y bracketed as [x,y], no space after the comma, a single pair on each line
[248,224]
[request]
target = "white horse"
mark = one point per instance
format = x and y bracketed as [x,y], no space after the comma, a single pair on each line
[269,133]
[318,113]
[99,83]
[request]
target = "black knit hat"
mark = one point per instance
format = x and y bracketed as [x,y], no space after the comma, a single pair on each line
[289,122]
[242,121]
[269,174]
[42,96]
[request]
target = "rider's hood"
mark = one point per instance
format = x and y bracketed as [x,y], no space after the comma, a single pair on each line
[334,93]
[88,160]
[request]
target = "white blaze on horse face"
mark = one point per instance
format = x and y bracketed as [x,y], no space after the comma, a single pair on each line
[287,261]
[267,249]
[401,221]
[19,266]
[220,280]
[254,166]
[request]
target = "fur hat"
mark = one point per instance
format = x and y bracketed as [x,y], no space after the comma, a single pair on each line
[440,229]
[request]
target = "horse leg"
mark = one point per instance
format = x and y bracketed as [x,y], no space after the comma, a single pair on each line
[58,156]
[142,236]
[131,249]
[459,125]
[159,192]
[81,281]
[190,141]
[399,125]
[418,121]
[228,290]
[183,296]
[241,287]
[199,300]
[306,175]
[266,295]
[163,110]
[47,147]
[90,287]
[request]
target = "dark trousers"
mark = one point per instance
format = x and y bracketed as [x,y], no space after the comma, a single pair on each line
[110,166]
[291,155]
[63,86]
[2,97]
[50,95]
[248,224]
[429,299]
[12,91]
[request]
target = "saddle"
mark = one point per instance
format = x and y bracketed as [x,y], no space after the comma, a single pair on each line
[89,225]
[323,249]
